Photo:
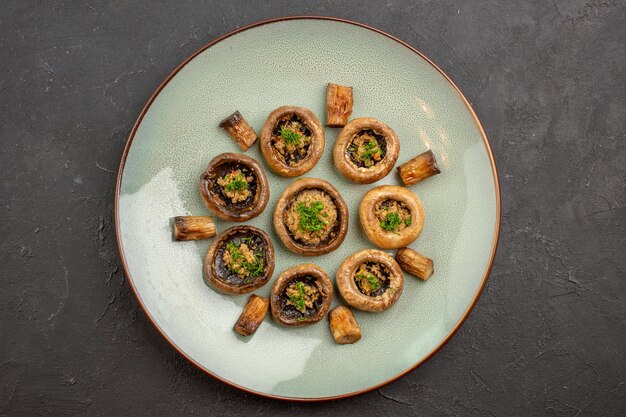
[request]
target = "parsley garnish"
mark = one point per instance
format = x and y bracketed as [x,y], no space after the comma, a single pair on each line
[233,248]
[391,222]
[371,152]
[298,300]
[289,136]
[310,216]
[254,269]
[235,182]
[372,280]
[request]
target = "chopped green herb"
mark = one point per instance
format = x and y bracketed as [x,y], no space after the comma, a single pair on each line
[233,248]
[298,300]
[407,221]
[235,182]
[254,269]
[371,152]
[310,216]
[391,222]
[372,280]
[289,136]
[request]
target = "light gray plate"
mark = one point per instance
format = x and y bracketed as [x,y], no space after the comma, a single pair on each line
[256,70]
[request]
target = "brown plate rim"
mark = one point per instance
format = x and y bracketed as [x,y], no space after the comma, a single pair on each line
[365,26]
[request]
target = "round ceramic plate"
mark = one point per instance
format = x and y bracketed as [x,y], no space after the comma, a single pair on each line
[254,70]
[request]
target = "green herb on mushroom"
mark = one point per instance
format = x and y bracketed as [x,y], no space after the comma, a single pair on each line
[373,281]
[298,299]
[240,259]
[289,136]
[311,216]
[302,295]
[391,222]
[235,185]
[366,150]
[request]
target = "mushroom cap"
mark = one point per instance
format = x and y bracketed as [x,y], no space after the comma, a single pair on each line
[355,298]
[371,226]
[215,278]
[379,170]
[283,203]
[224,209]
[322,282]
[316,148]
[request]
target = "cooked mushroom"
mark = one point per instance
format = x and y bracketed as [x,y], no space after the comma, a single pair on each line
[301,295]
[240,260]
[234,187]
[366,150]
[292,140]
[338,105]
[311,217]
[252,315]
[343,325]
[239,129]
[193,227]
[370,280]
[391,216]
[415,263]
[419,168]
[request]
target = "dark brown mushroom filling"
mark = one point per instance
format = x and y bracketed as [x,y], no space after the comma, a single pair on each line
[372,278]
[301,298]
[393,216]
[234,183]
[312,217]
[367,148]
[241,259]
[291,138]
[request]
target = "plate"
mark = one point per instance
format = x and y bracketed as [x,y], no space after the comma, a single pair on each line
[256,69]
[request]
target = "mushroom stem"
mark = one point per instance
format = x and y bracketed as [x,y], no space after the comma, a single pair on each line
[343,325]
[239,129]
[415,263]
[338,105]
[252,315]
[419,168]
[193,227]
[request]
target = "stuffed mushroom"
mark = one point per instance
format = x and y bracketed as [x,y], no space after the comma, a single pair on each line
[301,295]
[240,260]
[234,187]
[392,217]
[311,217]
[292,140]
[370,280]
[366,150]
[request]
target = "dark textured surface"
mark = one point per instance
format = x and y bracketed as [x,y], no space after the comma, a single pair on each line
[547,79]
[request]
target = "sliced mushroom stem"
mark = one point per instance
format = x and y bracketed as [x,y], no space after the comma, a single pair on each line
[193,227]
[343,325]
[415,263]
[338,105]
[419,168]
[252,315]
[239,129]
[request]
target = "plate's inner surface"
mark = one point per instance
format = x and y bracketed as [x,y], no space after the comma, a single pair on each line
[254,72]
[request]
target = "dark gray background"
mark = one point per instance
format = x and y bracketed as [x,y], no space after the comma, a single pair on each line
[547,79]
